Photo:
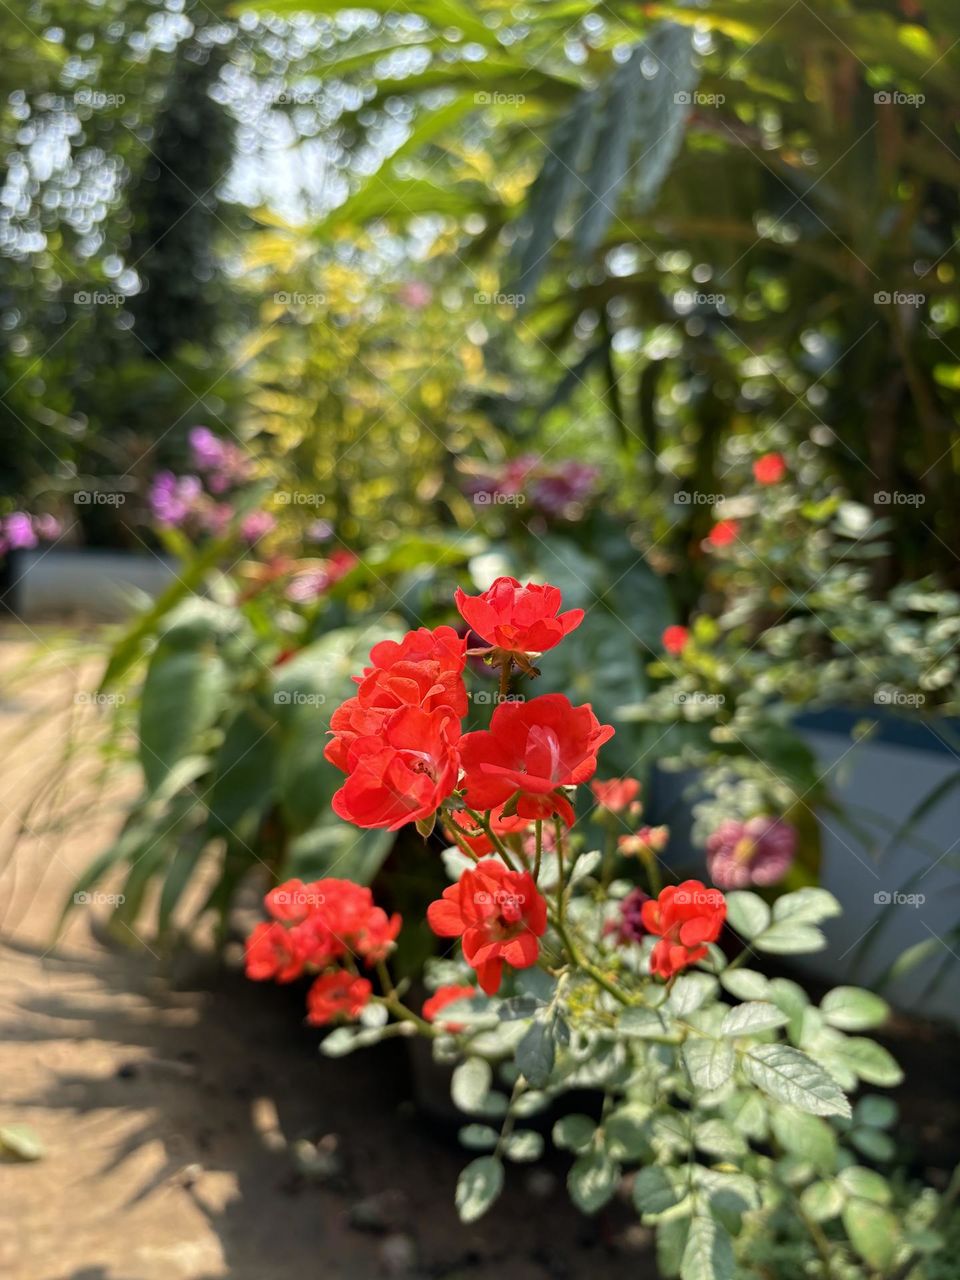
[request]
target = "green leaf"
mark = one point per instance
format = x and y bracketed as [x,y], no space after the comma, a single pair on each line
[852,1009]
[627,1131]
[182,696]
[574,1133]
[709,1252]
[873,1232]
[822,1201]
[689,992]
[870,1061]
[719,1139]
[745,984]
[874,1144]
[807,1137]
[524,1146]
[479,1137]
[642,1024]
[806,906]
[785,1073]
[536,1053]
[243,782]
[654,1191]
[748,914]
[470,1085]
[709,1063]
[592,1181]
[788,938]
[478,1187]
[751,1018]
[876,1111]
[865,1184]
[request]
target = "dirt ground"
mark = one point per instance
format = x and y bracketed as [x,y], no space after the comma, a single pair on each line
[192,1131]
[197,1133]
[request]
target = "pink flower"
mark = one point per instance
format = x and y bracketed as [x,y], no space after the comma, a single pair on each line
[760,851]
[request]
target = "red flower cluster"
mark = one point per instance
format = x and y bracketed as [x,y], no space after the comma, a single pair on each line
[518,619]
[499,916]
[685,917]
[675,640]
[313,927]
[530,751]
[723,533]
[396,739]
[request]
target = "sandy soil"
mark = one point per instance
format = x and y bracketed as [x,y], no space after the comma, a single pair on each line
[194,1134]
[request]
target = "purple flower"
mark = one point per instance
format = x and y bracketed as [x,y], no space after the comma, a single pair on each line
[759,851]
[173,498]
[629,928]
[18,528]
[207,449]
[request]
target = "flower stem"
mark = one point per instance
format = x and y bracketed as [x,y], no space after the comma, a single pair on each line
[538,827]
[483,820]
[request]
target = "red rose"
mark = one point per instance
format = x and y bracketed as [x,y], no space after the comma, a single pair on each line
[675,640]
[272,952]
[616,794]
[685,917]
[424,669]
[336,994]
[439,1001]
[533,748]
[770,469]
[498,915]
[478,841]
[518,619]
[723,533]
[404,773]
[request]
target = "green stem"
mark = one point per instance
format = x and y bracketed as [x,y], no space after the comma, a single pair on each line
[483,820]
[538,827]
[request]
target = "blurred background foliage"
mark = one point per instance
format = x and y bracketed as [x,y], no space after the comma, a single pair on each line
[490,287]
